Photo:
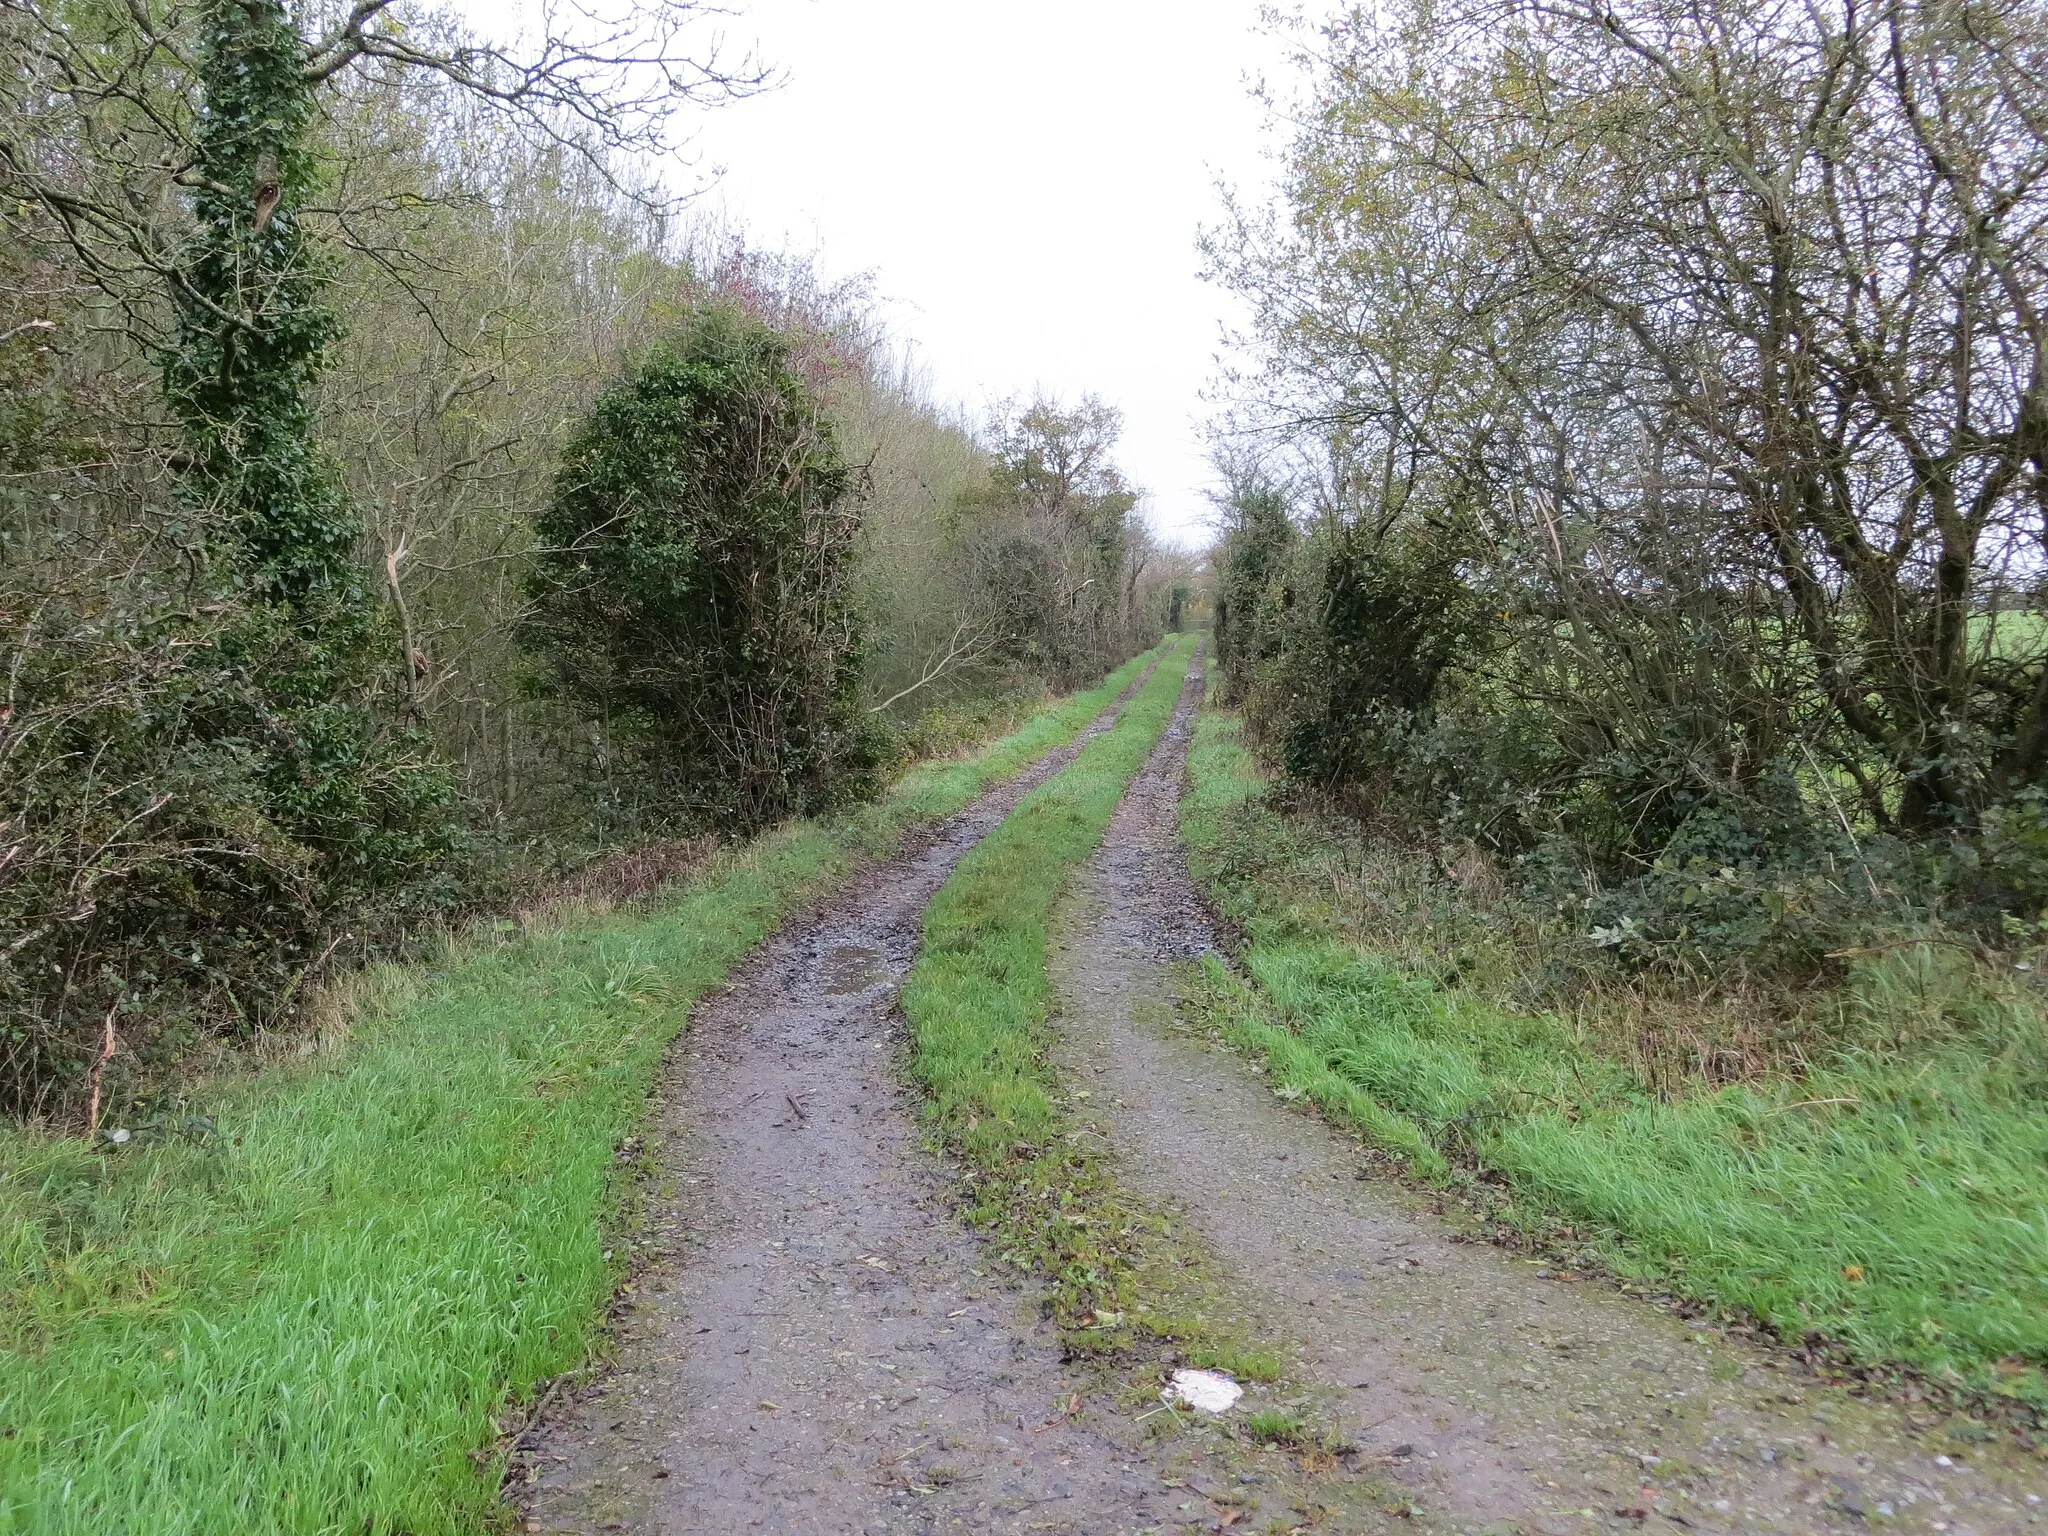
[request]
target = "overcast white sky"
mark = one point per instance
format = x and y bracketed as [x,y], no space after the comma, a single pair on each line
[1025,183]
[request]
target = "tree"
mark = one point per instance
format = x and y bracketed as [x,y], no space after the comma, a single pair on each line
[693,589]
[1054,468]
[267,510]
[1727,322]
[1691,360]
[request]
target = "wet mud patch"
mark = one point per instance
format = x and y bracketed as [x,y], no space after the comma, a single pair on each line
[851,968]
[1485,1393]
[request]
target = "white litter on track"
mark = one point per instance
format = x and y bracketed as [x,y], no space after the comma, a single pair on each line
[1209,1391]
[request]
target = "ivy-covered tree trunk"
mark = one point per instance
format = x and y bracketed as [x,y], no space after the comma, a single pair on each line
[254,327]
[363,801]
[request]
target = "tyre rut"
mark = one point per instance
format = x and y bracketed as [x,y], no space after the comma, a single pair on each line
[812,1342]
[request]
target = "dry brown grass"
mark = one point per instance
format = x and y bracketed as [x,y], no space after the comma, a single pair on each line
[625,875]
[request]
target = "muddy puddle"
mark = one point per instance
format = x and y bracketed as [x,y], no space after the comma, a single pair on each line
[851,968]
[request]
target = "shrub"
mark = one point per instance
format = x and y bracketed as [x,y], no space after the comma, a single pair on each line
[692,589]
[176,845]
[1390,616]
[1251,589]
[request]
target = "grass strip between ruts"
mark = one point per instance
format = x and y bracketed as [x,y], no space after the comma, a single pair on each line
[978,1001]
[308,1321]
[1897,1207]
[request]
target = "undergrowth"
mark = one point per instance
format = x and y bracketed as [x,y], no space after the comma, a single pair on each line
[1886,1204]
[297,1301]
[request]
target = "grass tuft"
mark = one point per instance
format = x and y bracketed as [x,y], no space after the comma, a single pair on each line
[1276,1426]
[1241,1361]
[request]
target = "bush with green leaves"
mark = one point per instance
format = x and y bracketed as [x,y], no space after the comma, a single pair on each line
[1253,593]
[1389,617]
[692,592]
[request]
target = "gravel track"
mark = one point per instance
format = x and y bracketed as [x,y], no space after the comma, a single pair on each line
[813,1342]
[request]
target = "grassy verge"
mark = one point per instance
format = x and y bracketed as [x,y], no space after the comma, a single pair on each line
[1124,1284]
[1892,1204]
[978,1002]
[306,1318]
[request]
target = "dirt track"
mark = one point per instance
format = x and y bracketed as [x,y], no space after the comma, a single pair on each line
[1493,1393]
[821,1348]
[822,1352]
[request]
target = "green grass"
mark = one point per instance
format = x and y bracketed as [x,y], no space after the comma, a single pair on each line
[307,1322]
[978,1001]
[1893,1201]
[1275,1426]
[1240,1361]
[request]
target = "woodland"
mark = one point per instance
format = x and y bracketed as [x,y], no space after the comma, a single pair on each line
[409,502]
